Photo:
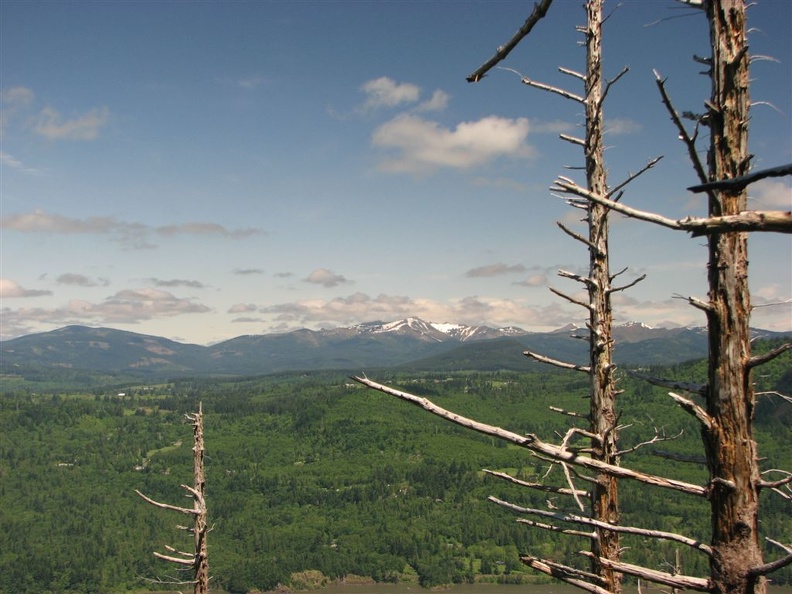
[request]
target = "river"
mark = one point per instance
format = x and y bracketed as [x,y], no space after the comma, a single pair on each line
[484,588]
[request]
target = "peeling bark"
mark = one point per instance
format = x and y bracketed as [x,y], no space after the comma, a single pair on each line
[728,442]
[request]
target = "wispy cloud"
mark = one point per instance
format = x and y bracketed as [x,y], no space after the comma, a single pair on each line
[326,278]
[621,126]
[129,306]
[80,280]
[551,127]
[533,281]
[8,160]
[177,282]
[241,308]
[10,288]
[13,101]
[16,96]
[422,145]
[248,271]
[135,235]
[53,126]
[206,229]
[251,82]
[494,270]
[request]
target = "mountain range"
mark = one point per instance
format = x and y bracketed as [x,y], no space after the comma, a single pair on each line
[411,343]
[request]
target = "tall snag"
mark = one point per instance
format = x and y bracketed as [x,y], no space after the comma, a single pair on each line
[736,563]
[602,430]
[735,557]
[198,560]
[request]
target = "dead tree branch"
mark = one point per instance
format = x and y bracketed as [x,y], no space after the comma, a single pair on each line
[551,528]
[569,298]
[692,408]
[692,458]
[534,444]
[694,388]
[539,11]
[549,88]
[757,360]
[631,176]
[570,575]
[577,236]
[181,510]
[628,285]
[536,486]
[683,582]
[775,484]
[567,413]
[690,141]
[738,183]
[777,221]
[656,439]
[556,363]
[584,521]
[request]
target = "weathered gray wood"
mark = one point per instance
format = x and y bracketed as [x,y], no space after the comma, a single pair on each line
[199,558]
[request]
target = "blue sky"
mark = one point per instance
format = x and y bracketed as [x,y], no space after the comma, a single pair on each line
[202,170]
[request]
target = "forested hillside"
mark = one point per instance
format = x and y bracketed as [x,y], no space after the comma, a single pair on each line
[312,472]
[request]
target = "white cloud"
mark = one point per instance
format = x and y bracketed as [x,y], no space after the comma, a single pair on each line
[10,288]
[326,278]
[385,92]
[51,124]
[438,102]
[422,145]
[770,194]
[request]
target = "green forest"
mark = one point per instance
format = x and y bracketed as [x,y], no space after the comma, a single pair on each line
[311,472]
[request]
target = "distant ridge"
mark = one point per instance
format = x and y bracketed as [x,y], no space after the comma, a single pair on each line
[407,343]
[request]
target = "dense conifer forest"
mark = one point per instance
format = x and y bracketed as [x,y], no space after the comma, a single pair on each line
[311,472]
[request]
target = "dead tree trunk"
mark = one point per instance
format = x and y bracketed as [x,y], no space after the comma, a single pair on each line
[730,447]
[198,560]
[736,561]
[602,413]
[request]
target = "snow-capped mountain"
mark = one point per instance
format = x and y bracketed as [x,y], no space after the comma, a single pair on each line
[409,342]
[418,328]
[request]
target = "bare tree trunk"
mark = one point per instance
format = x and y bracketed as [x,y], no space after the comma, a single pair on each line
[200,526]
[198,560]
[730,447]
[605,495]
